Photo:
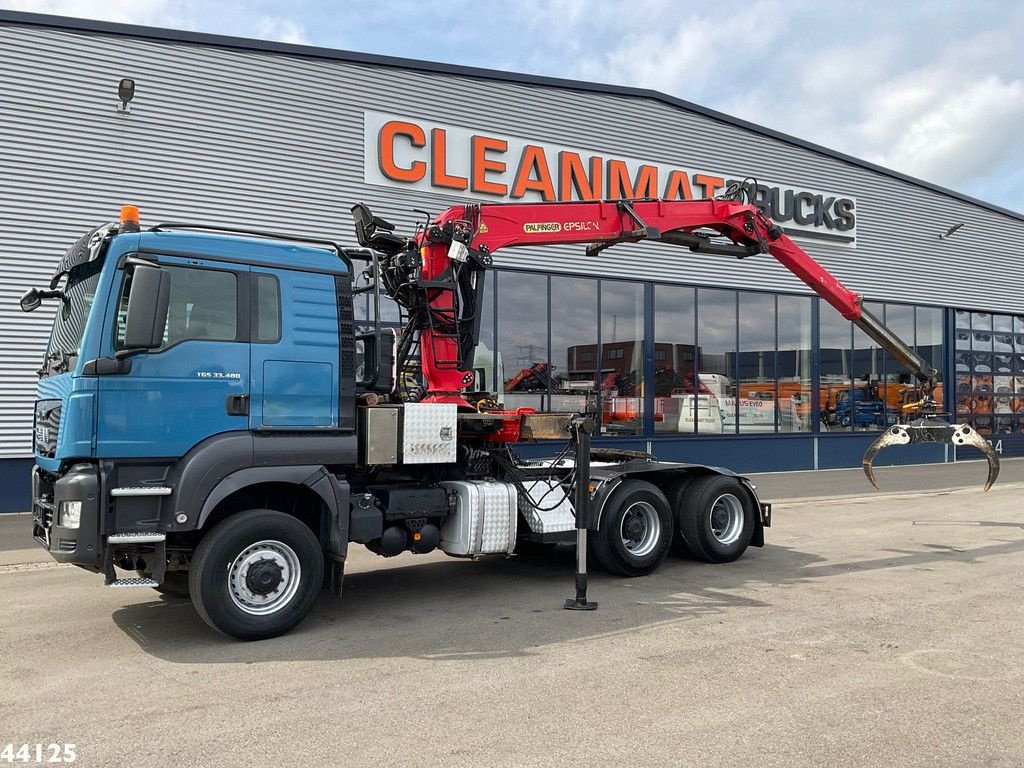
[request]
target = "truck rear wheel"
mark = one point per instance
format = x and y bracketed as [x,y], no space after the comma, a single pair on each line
[256,575]
[635,530]
[715,517]
[674,493]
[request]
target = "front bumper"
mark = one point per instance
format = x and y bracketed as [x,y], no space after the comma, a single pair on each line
[80,546]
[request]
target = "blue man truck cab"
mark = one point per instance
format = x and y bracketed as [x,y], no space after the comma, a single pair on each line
[141,434]
[211,420]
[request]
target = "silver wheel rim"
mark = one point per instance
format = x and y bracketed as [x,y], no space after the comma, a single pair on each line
[640,529]
[727,519]
[278,555]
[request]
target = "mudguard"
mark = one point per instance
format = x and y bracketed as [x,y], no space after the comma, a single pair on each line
[608,477]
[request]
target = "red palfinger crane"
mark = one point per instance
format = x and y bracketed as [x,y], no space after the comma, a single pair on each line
[437,275]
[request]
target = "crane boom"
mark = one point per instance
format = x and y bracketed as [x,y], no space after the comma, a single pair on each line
[437,275]
[679,222]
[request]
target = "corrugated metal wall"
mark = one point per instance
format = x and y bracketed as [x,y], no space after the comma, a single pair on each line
[275,141]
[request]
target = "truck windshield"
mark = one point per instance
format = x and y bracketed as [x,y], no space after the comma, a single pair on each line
[69,323]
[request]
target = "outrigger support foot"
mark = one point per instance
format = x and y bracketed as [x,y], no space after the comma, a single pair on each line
[580,602]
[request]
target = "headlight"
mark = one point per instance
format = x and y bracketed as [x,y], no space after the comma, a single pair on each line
[70,514]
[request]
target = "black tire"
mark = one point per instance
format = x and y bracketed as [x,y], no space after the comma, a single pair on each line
[227,564]
[640,512]
[175,583]
[715,518]
[674,492]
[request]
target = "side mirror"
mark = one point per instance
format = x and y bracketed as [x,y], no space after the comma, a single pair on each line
[30,300]
[33,297]
[148,299]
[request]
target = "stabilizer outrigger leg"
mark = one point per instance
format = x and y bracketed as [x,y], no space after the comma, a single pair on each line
[932,429]
[581,428]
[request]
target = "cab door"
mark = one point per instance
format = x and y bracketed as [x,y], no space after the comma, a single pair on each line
[295,359]
[197,383]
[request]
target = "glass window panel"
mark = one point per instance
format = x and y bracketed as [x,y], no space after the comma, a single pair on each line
[897,385]
[962,339]
[622,358]
[675,406]
[929,340]
[981,340]
[390,312]
[523,339]
[716,347]
[963,396]
[487,379]
[756,408]
[864,408]
[268,309]
[794,364]
[979,364]
[574,344]
[835,358]
[1002,335]
[203,305]
[362,305]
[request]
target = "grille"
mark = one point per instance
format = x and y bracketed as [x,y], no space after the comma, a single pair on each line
[346,352]
[42,507]
[47,427]
[346,326]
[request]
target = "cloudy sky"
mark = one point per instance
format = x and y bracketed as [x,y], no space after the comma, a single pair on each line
[932,89]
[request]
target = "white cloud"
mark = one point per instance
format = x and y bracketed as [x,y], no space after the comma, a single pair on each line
[125,11]
[944,129]
[953,119]
[284,30]
[910,93]
[677,53]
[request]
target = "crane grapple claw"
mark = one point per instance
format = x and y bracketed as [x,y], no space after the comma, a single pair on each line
[932,430]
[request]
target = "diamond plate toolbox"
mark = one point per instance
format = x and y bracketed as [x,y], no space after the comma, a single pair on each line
[484,520]
[556,511]
[428,433]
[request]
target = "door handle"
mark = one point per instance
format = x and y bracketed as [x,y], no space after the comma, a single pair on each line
[238,405]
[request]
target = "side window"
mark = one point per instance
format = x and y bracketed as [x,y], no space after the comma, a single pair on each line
[203,305]
[268,309]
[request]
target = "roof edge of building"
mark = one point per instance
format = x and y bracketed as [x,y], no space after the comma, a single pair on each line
[310,51]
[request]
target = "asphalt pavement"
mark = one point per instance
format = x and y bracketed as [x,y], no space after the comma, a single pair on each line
[872,630]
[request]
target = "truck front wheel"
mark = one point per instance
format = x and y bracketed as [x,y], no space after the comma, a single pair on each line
[256,574]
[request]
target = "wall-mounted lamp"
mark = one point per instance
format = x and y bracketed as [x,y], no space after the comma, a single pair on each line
[950,231]
[125,92]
